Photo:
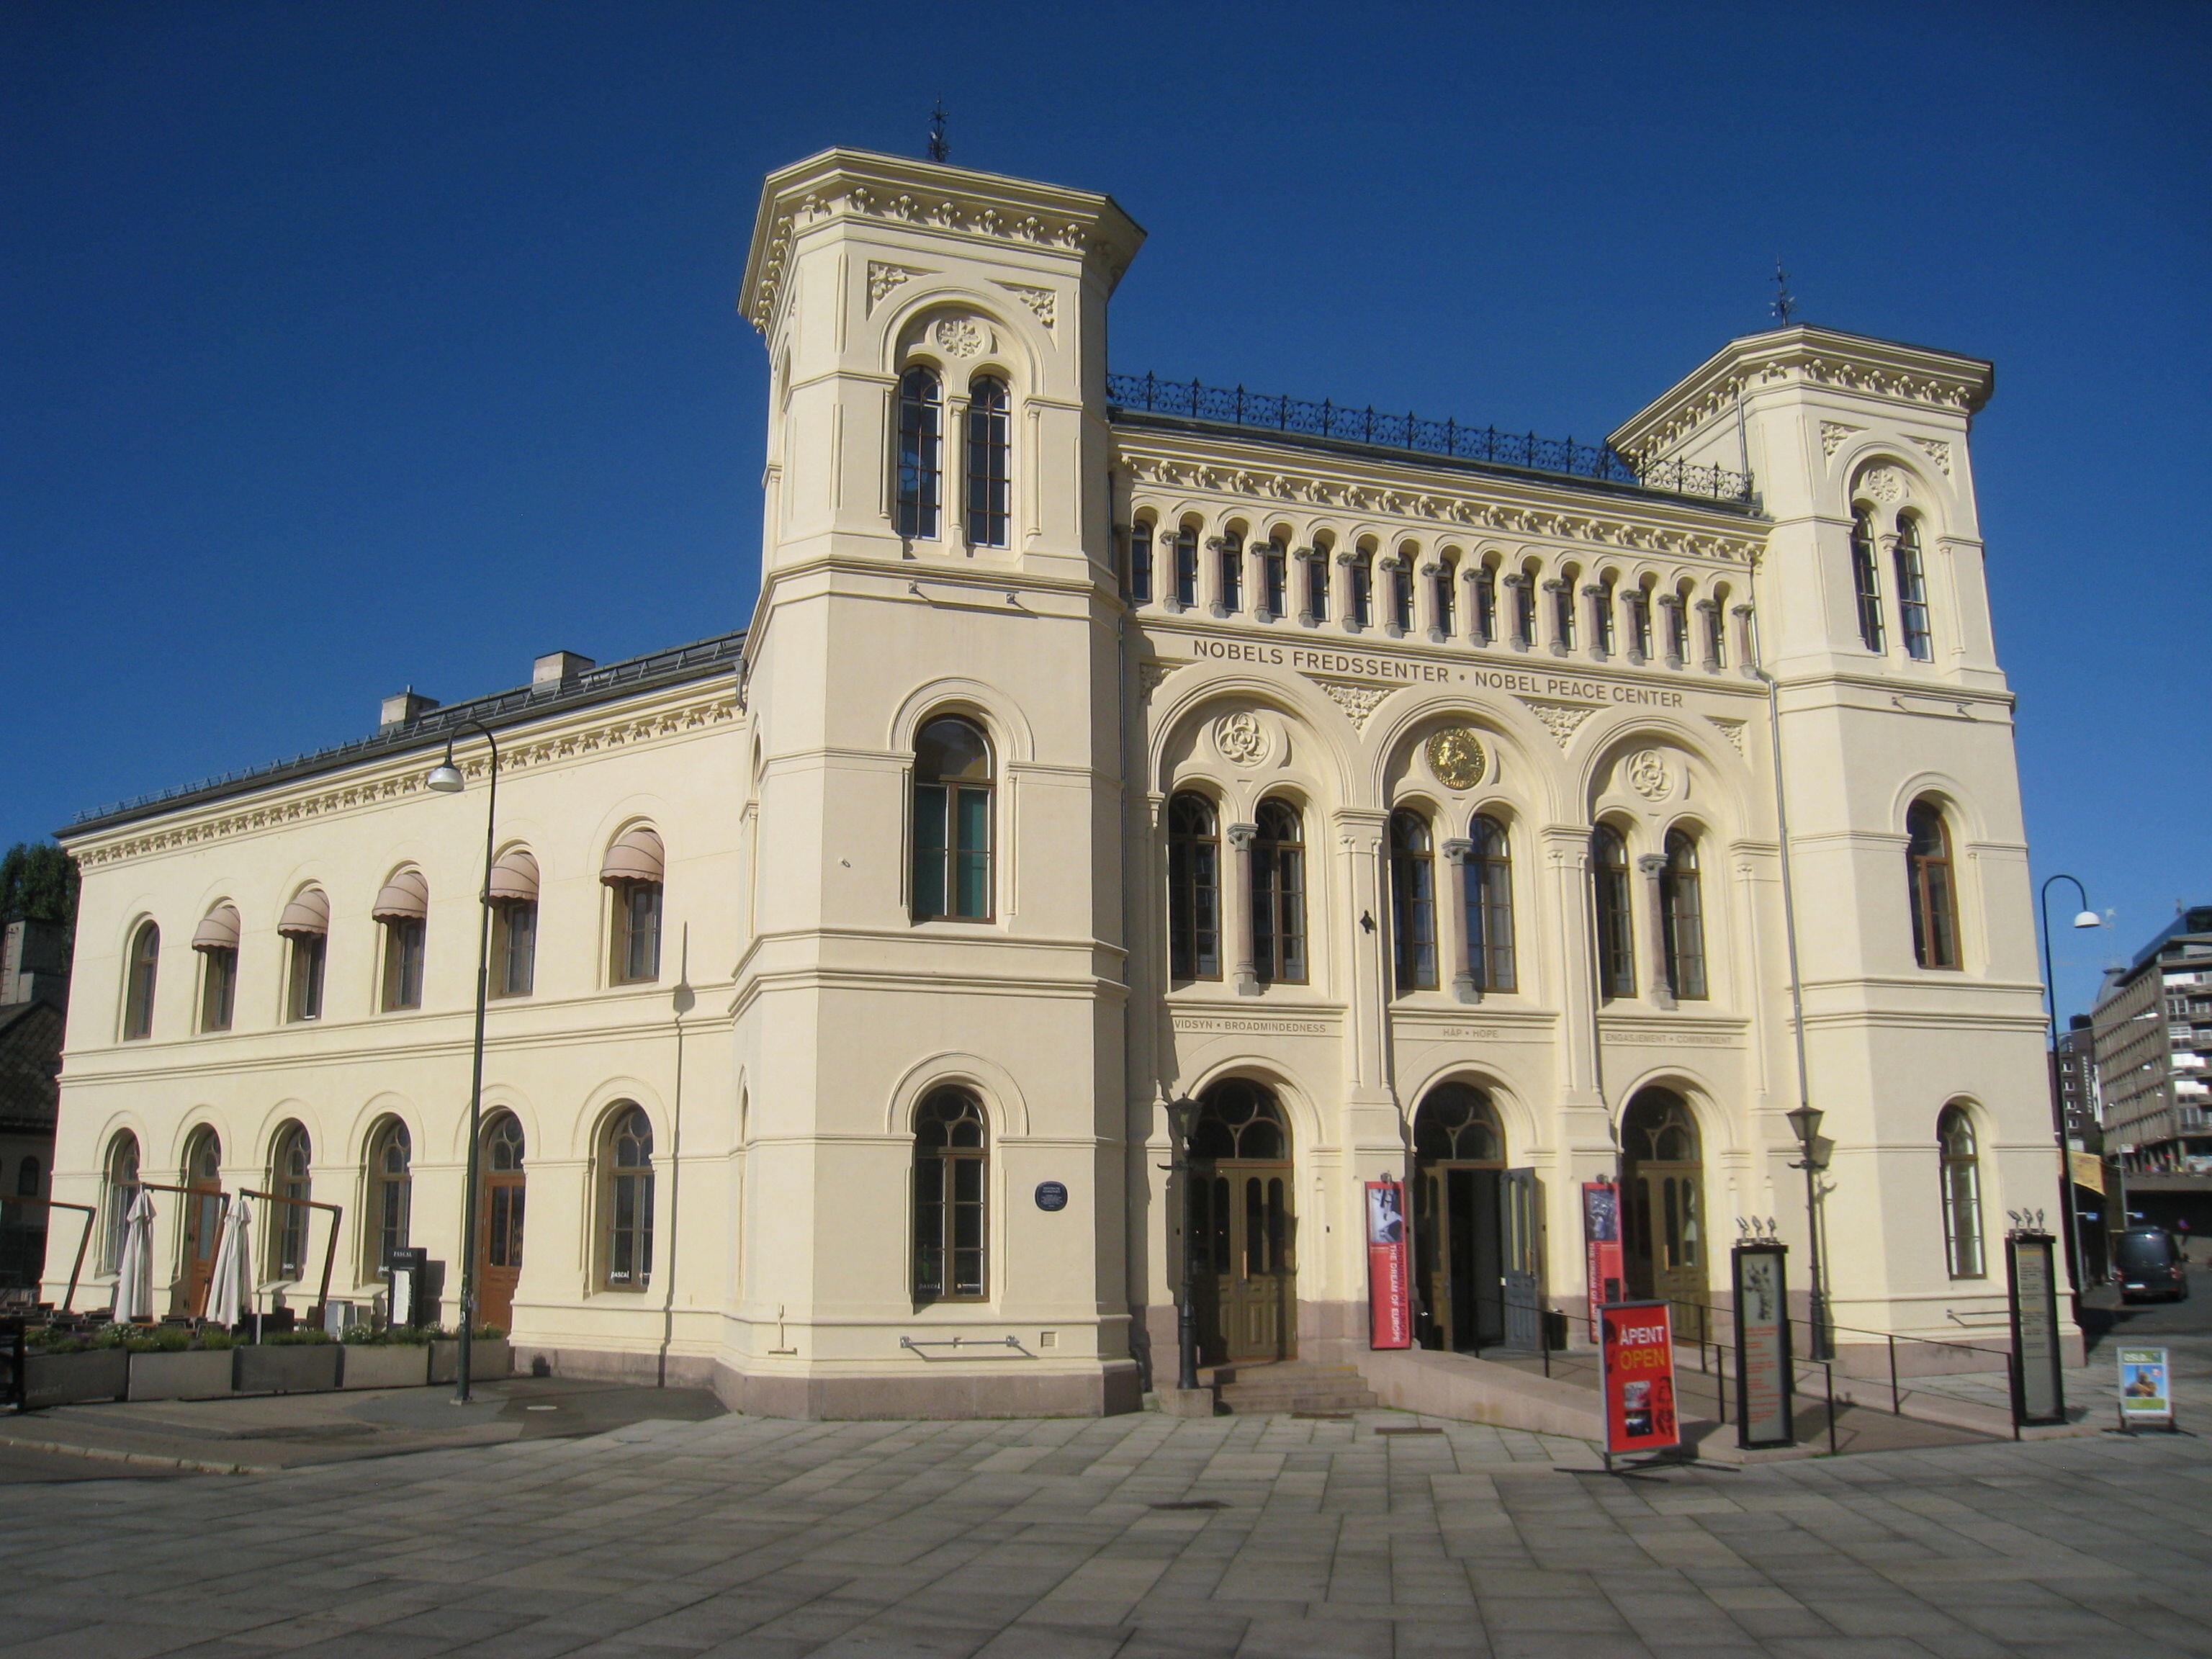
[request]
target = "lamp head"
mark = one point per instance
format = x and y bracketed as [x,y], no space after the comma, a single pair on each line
[1182,1118]
[1805,1123]
[2088,918]
[444,777]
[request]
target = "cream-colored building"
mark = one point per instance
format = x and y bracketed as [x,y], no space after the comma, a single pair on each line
[1404,794]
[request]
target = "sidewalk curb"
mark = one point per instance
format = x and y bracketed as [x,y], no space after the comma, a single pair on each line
[146,1459]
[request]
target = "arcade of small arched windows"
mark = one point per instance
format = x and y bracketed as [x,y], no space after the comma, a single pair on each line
[1448,593]
[1889,555]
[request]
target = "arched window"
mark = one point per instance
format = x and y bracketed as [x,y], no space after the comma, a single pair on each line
[951,823]
[1402,592]
[1412,903]
[1640,622]
[27,1177]
[514,895]
[952,1163]
[1866,580]
[634,872]
[1443,592]
[1275,578]
[1317,579]
[305,928]
[1913,592]
[216,944]
[1278,895]
[1457,1125]
[1716,630]
[1485,605]
[1682,909]
[1229,572]
[1194,888]
[1186,565]
[391,1195]
[1678,627]
[1141,562]
[141,969]
[920,465]
[201,1216]
[1962,1192]
[1563,608]
[1524,606]
[626,1185]
[1489,907]
[1927,873]
[1616,937]
[122,1171]
[402,910]
[289,1163]
[1361,611]
[504,1192]
[986,462]
[1602,618]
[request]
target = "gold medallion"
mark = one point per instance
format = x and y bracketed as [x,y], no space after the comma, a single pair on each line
[1456,757]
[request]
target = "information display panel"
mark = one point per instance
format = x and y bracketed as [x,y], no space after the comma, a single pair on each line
[1389,1288]
[1601,1246]
[2039,1393]
[1635,1344]
[1764,1410]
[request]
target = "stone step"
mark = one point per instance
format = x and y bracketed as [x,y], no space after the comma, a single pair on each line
[1291,1385]
[1275,1404]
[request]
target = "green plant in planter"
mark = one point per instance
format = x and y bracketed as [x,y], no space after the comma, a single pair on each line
[213,1338]
[306,1336]
[165,1339]
[488,1333]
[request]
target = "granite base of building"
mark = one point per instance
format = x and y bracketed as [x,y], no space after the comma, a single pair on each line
[1115,1387]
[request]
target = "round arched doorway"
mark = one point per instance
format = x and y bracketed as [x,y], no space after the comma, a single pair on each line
[1476,1228]
[1663,1189]
[1243,1225]
[499,1215]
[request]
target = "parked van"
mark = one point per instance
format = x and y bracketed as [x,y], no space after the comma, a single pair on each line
[2147,1263]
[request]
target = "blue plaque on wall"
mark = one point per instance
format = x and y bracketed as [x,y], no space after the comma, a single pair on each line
[1051,1196]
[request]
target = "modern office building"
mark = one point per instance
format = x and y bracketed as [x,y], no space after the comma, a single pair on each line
[2154,1050]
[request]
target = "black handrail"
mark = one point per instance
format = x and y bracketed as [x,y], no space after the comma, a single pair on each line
[1261,411]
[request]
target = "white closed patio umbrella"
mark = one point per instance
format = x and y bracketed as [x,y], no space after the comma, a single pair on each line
[230,1287]
[134,1279]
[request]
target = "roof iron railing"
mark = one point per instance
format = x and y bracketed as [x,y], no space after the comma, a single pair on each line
[1563,457]
[702,654]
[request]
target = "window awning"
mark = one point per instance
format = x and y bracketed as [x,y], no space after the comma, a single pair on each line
[218,930]
[636,855]
[405,897]
[308,916]
[515,877]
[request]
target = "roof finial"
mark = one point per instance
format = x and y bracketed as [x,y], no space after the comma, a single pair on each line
[939,151]
[1785,303]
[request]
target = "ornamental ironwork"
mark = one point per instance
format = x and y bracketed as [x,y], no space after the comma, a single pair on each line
[1258,411]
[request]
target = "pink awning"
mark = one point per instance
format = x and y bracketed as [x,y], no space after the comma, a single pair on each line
[405,897]
[514,878]
[308,916]
[218,930]
[636,855]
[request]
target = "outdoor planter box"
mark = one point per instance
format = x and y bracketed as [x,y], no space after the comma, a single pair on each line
[490,1359]
[69,1379]
[288,1368]
[204,1375]
[384,1366]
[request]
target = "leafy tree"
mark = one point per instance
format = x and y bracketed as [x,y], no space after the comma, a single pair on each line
[38,883]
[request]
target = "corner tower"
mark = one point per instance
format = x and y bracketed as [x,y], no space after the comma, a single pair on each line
[929,1014]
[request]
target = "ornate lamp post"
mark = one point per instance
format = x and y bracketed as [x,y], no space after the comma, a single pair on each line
[1805,1122]
[447,779]
[2084,917]
[1182,1118]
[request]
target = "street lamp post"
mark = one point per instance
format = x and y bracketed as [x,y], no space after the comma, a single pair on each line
[2084,917]
[1805,1123]
[445,779]
[1182,1118]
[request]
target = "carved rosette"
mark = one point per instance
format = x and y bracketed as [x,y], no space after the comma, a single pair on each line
[1242,738]
[1648,775]
[961,336]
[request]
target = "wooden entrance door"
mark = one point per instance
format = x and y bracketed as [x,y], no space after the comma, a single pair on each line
[1243,1226]
[1663,1209]
[500,1212]
[1522,1270]
[200,1226]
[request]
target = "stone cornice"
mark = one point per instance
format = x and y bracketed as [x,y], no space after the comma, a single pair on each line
[374,784]
[1936,380]
[958,202]
[1432,503]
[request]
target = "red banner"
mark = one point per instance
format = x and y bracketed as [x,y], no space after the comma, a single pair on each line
[1601,1246]
[1637,1343]
[1390,1287]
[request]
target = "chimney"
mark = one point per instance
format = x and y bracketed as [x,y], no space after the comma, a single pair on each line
[406,706]
[556,668]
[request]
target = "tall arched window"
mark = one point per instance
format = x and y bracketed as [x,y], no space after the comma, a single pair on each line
[1360,612]
[402,910]
[1913,592]
[305,928]
[202,1211]
[1563,608]
[1927,873]
[1443,592]
[1489,907]
[1866,580]
[141,969]
[1616,937]
[921,462]
[951,1163]
[513,894]
[1186,565]
[1962,1192]
[1402,592]
[1524,606]
[1141,562]
[1639,622]
[1485,605]
[1278,895]
[1194,888]
[391,1195]
[1228,571]
[1317,579]
[122,1172]
[951,823]
[987,489]
[1682,909]
[288,1167]
[634,872]
[1678,627]
[1716,615]
[216,944]
[1412,903]
[1601,616]
[626,1186]
[1276,577]
[26,1177]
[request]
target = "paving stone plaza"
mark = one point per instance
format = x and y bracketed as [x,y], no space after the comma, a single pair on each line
[1138,1535]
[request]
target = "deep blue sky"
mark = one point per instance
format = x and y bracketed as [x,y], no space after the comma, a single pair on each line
[356,345]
